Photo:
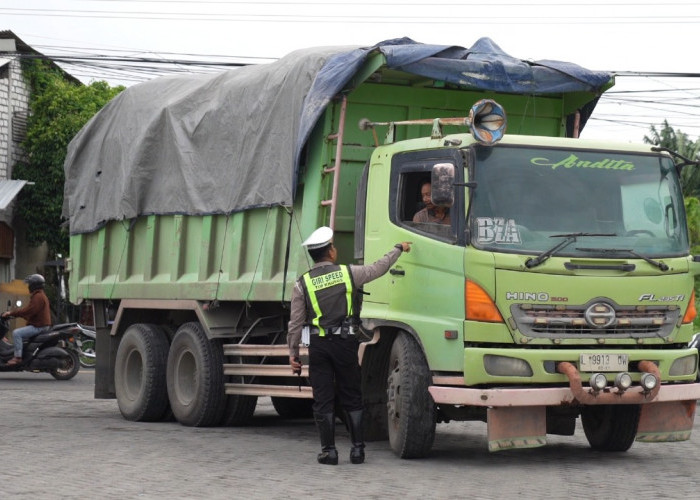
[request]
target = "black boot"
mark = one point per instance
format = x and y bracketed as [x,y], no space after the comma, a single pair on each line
[325,422]
[357,452]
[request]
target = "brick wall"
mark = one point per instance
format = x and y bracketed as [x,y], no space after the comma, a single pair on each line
[14,108]
[14,100]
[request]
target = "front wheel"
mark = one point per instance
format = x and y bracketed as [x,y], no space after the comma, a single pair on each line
[87,353]
[610,427]
[410,408]
[70,368]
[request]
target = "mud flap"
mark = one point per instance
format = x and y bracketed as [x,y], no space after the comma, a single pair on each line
[516,427]
[666,422]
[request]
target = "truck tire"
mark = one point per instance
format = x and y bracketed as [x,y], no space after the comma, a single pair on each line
[239,408]
[139,373]
[610,427]
[410,408]
[293,407]
[195,377]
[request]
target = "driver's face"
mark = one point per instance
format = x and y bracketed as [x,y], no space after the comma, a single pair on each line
[425,195]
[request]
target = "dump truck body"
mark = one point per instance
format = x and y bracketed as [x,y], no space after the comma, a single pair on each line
[535,284]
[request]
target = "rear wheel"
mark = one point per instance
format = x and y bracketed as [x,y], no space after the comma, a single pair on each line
[410,408]
[139,373]
[70,368]
[610,427]
[293,407]
[195,377]
[239,408]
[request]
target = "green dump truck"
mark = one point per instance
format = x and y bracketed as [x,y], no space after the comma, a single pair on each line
[562,287]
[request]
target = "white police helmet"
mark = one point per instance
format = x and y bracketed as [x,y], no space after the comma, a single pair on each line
[319,238]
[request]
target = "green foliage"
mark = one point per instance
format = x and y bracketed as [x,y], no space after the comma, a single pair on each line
[692,209]
[677,141]
[59,109]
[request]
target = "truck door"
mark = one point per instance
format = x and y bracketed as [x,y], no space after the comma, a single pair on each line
[424,291]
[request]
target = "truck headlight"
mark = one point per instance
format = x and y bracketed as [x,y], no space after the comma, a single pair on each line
[683,366]
[504,366]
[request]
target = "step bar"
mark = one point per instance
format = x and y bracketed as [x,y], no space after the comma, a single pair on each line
[280,350]
[265,370]
[283,391]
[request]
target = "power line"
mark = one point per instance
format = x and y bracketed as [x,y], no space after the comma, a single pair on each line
[679,106]
[85,50]
[403,3]
[343,17]
[135,60]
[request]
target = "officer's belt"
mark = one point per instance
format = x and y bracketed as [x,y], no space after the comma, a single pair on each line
[334,330]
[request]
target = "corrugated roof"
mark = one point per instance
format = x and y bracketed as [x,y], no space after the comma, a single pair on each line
[8,191]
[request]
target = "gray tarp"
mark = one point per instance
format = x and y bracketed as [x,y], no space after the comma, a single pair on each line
[213,144]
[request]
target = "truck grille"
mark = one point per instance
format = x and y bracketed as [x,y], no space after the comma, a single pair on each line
[595,319]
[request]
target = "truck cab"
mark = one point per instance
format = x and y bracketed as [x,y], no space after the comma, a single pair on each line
[559,252]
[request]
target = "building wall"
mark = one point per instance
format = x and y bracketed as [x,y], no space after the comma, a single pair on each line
[14,101]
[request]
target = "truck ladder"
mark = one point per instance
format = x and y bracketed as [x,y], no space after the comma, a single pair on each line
[256,370]
[333,202]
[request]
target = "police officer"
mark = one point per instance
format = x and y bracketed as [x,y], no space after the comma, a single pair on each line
[323,308]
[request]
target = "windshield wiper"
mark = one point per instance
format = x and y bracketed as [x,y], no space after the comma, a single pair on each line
[660,265]
[569,239]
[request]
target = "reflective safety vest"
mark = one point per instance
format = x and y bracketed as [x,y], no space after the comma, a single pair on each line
[328,296]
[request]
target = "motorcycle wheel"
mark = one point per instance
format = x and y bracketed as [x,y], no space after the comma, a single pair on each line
[87,354]
[70,369]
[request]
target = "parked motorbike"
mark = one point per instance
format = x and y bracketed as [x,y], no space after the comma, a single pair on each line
[84,342]
[50,352]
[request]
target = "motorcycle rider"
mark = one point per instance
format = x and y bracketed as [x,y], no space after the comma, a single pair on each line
[37,314]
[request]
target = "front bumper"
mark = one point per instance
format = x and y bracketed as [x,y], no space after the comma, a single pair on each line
[548,396]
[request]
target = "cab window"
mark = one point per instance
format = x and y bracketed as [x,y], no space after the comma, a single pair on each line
[411,202]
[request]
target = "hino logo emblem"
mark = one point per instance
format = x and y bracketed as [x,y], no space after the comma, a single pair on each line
[600,315]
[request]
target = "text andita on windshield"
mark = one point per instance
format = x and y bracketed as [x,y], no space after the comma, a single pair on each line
[573,161]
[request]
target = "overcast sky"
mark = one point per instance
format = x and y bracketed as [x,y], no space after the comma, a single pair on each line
[615,35]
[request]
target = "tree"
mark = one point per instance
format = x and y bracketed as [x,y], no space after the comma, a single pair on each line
[677,141]
[692,210]
[59,109]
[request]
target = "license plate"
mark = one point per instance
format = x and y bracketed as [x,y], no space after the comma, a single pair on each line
[603,362]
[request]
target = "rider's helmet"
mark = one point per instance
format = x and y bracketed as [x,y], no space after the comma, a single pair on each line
[35,281]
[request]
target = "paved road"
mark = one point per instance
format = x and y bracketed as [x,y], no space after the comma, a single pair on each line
[59,442]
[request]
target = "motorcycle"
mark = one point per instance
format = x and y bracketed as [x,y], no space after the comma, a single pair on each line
[84,342]
[50,352]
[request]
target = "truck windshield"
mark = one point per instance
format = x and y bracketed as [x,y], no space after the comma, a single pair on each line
[525,196]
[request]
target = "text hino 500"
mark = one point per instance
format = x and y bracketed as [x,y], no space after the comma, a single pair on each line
[562,288]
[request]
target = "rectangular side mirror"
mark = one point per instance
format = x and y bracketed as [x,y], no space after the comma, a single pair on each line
[442,179]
